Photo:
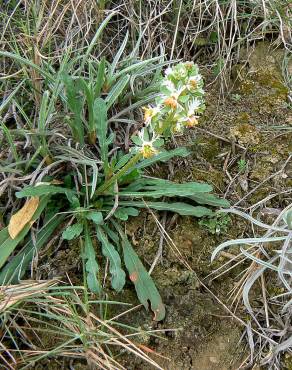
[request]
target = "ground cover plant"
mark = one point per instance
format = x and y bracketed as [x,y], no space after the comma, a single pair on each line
[114,188]
[114,145]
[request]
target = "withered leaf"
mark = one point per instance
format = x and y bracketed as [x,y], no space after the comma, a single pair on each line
[22,217]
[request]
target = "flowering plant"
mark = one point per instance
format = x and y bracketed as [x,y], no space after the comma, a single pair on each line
[114,188]
[178,106]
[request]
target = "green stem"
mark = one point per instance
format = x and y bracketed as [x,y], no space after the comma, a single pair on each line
[111,181]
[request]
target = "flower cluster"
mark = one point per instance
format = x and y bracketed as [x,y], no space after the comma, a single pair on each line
[178,106]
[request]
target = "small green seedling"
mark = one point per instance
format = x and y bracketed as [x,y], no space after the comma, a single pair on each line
[216,224]
[241,164]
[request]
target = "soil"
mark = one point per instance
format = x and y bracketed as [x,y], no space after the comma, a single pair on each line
[247,126]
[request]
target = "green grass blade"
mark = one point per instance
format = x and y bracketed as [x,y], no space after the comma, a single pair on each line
[15,269]
[116,91]
[118,55]
[27,62]
[10,97]
[10,140]
[94,41]
[100,115]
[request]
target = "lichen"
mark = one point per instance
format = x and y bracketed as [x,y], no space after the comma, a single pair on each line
[245,134]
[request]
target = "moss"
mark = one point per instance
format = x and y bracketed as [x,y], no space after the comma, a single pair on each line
[247,87]
[243,118]
[271,80]
[208,148]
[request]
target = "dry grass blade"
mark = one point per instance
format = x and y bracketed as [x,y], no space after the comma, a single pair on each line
[35,308]
[15,294]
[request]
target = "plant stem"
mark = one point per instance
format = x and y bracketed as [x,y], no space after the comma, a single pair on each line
[119,174]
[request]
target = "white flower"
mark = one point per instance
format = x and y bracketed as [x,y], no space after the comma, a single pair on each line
[180,71]
[150,112]
[169,85]
[168,71]
[178,128]
[147,148]
[193,82]
[193,107]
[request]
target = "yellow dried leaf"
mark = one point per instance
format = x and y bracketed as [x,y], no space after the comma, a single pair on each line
[22,217]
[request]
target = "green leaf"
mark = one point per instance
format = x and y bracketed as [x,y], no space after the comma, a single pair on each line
[219,65]
[91,266]
[130,177]
[117,90]
[5,102]
[75,104]
[72,231]
[118,55]
[157,188]
[122,161]
[95,216]
[152,183]
[109,251]
[89,94]
[100,116]
[100,78]
[182,209]
[144,285]
[195,187]
[124,213]
[37,191]
[211,200]
[111,234]
[24,61]
[14,270]
[94,41]
[136,140]
[7,244]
